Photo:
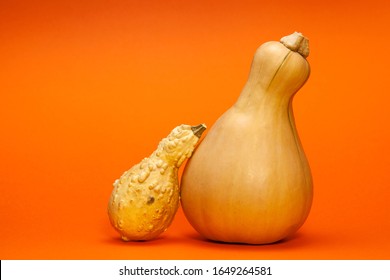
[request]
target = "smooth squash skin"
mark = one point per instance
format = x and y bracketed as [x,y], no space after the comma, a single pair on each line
[249,180]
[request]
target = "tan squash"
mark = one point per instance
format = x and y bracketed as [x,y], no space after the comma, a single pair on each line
[249,180]
[145,199]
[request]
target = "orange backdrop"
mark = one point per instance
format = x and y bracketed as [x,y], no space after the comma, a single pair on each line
[88,88]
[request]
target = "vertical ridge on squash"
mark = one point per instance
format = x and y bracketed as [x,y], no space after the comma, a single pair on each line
[250,174]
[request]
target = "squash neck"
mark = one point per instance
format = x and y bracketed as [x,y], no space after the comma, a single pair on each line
[278,71]
[179,144]
[258,101]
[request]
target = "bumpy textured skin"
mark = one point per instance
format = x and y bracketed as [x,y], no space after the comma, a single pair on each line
[145,198]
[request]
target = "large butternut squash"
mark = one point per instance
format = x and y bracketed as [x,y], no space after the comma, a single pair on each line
[249,180]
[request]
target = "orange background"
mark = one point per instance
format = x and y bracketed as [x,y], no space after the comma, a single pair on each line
[88,89]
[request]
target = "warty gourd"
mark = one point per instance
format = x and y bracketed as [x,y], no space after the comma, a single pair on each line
[145,198]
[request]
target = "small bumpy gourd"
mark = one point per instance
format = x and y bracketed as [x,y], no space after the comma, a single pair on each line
[145,199]
[249,180]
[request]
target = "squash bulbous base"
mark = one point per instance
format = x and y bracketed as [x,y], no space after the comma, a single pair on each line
[249,235]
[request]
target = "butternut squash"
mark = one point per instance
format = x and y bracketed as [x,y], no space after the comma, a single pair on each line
[249,180]
[145,198]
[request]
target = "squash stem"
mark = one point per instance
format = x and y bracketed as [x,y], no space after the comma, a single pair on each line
[297,43]
[198,129]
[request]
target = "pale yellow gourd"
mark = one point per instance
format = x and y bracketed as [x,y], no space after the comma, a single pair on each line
[145,198]
[249,180]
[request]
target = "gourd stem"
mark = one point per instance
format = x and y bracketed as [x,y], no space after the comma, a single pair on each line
[198,130]
[297,43]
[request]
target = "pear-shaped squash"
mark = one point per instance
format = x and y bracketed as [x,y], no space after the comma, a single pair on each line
[145,198]
[249,180]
